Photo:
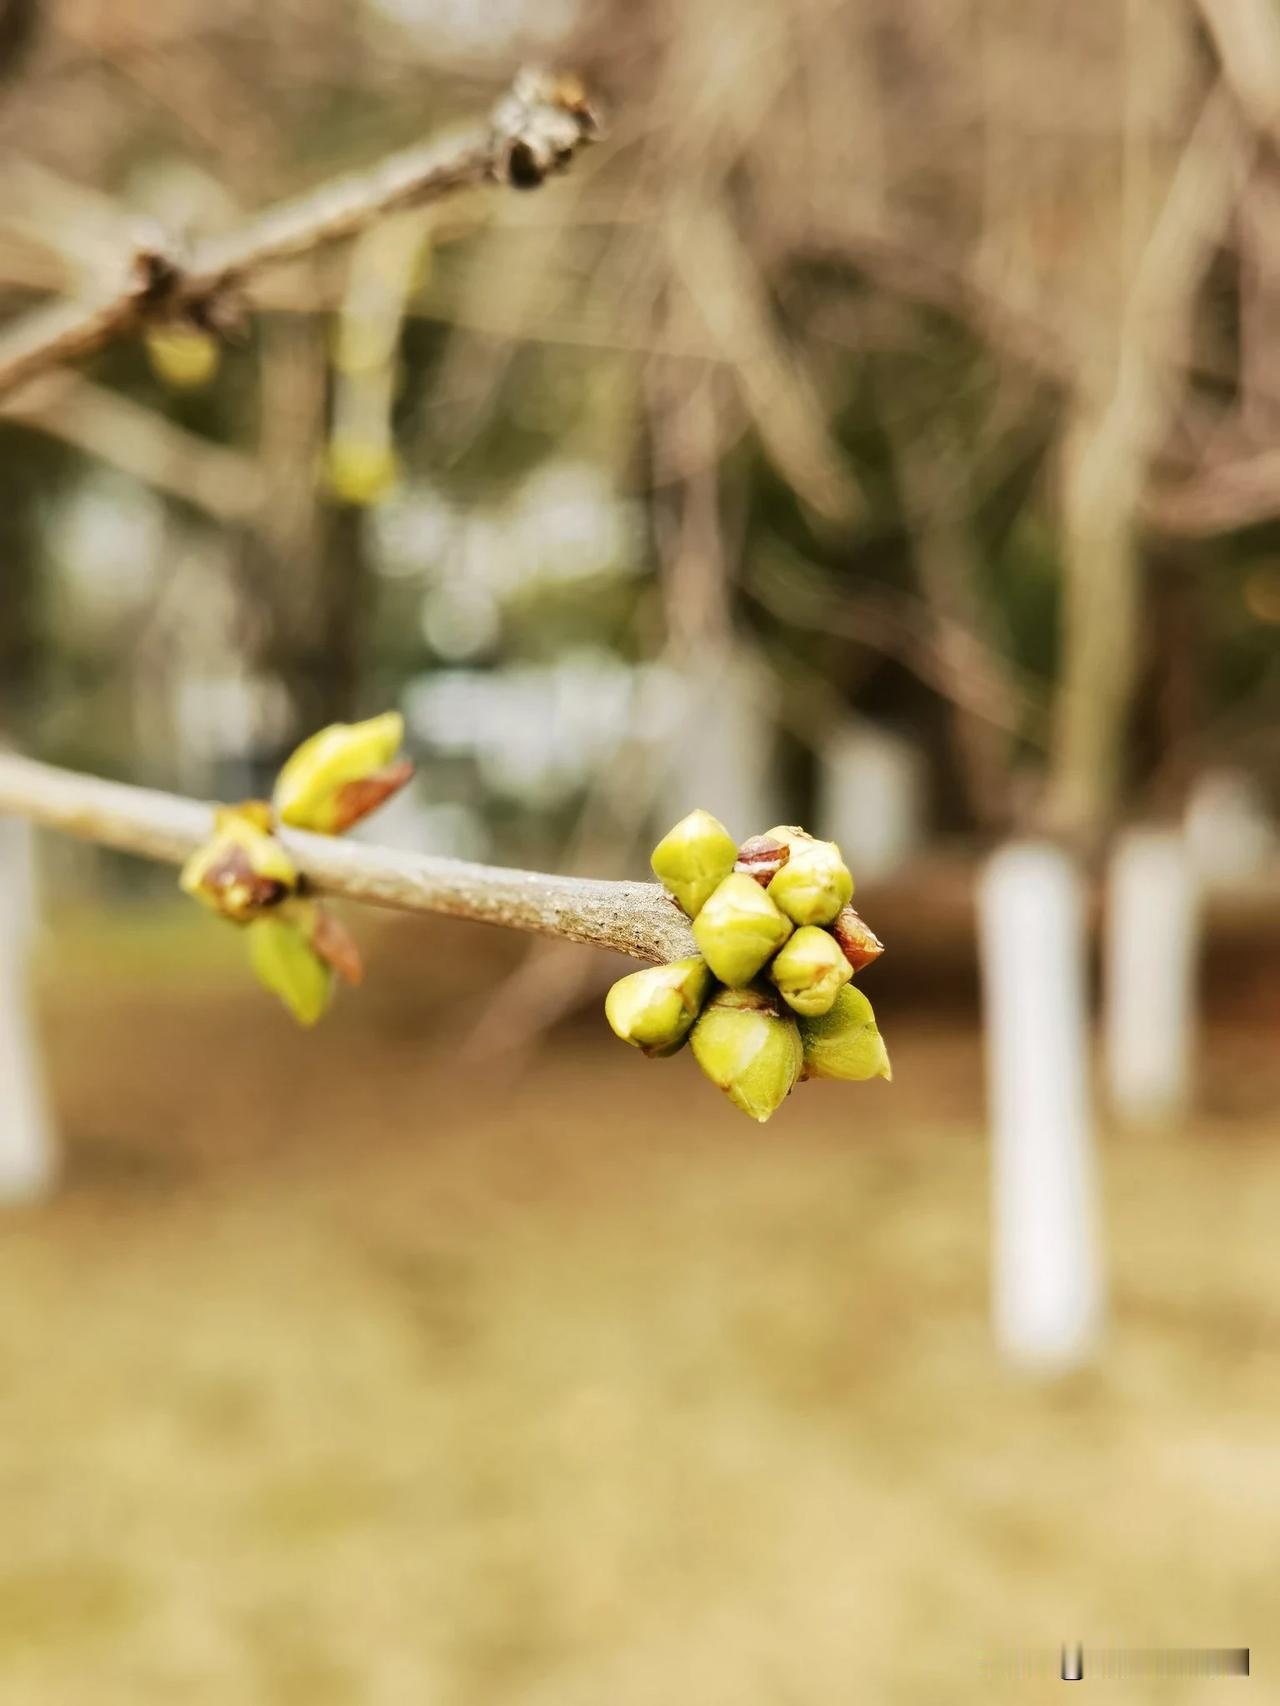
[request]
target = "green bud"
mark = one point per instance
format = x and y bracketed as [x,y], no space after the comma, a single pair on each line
[813,884]
[692,859]
[810,971]
[242,870]
[184,356]
[747,1045]
[654,1009]
[341,774]
[285,963]
[845,1043]
[739,930]
[361,473]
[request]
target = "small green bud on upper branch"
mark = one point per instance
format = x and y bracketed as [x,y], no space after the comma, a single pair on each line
[776,906]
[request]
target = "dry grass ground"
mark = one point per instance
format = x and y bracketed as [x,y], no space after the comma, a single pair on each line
[340,1375]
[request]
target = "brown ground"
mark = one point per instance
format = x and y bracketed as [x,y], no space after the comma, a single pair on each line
[342,1374]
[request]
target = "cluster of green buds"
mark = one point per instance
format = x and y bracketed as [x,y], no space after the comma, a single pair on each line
[245,874]
[767,1000]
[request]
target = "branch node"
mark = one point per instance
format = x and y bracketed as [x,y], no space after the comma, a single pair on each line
[155,281]
[539,125]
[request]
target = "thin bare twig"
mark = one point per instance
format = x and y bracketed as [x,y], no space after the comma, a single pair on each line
[631,918]
[535,129]
[126,434]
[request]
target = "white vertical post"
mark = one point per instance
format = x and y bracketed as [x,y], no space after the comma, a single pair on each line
[1046,1279]
[870,797]
[1152,943]
[27,1162]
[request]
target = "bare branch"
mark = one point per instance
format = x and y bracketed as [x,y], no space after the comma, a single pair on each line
[1221,497]
[534,130]
[630,918]
[129,436]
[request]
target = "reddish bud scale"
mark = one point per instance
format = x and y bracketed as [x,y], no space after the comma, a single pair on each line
[355,800]
[859,943]
[241,890]
[336,947]
[762,857]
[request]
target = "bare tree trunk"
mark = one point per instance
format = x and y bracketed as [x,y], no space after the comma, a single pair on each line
[1111,440]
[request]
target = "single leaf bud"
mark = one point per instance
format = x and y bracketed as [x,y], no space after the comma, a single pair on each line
[184,356]
[654,1009]
[360,474]
[285,963]
[693,858]
[845,1042]
[739,930]
[810,970]
[341,774]
[858,940]
[813,884]
[762,857]
[746,1044]
[242,870]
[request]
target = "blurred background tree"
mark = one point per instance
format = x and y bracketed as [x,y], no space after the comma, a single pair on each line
[879,428]
[896,380]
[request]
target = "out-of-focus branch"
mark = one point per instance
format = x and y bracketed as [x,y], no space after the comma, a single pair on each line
[1246,34]
[938,649]
[631,918]
[1220,497]
[129,436]
[534,130]
[929,473]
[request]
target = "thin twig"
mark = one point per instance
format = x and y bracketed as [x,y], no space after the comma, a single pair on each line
[127,435]
[631,918]
[534,130]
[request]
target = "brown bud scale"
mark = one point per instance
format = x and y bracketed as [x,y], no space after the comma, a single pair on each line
[241,889]
[356,799]
[336,947]
[859,943]
[762,857]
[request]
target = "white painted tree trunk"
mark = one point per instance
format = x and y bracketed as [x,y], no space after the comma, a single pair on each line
[1046,1280]
[1152,954]
[27,1162]
[870,798]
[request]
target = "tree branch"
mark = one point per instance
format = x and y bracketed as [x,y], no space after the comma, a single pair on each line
[631,918]
[227,484]
[534,130]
